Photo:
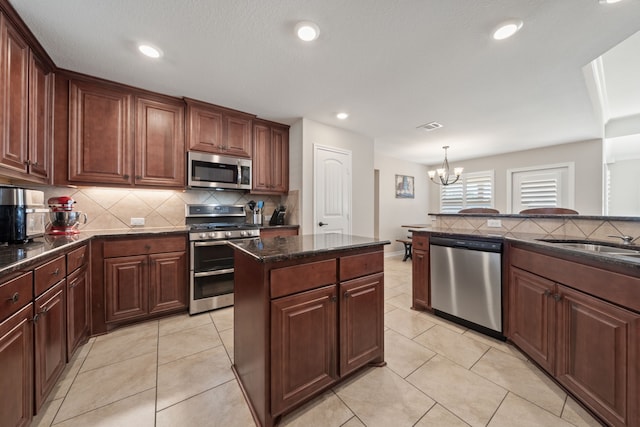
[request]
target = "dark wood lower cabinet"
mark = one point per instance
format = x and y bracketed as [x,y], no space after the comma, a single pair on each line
[142,278]
[77,309]
[126,287]
[50,340]
[531,316]
[589,345]
[302,325]
[16,368]
[597,354]
[361,319]
[303,346]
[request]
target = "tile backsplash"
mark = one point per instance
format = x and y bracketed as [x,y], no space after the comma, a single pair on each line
[593,229]
[112,208]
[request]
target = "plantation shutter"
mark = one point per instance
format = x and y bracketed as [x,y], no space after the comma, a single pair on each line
[539,193]
[473,190]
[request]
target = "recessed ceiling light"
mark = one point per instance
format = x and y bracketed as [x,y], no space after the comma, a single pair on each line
[307,31]
[342,116]
[507,29]
[609,1]
[150,51]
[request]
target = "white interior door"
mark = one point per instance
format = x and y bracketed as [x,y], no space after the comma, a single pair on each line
[332,190]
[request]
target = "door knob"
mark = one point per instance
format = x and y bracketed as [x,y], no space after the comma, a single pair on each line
[321,224]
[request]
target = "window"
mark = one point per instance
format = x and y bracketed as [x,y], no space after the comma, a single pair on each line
[541,187]
[473,190]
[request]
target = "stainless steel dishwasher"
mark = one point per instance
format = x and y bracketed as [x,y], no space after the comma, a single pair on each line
[466,282]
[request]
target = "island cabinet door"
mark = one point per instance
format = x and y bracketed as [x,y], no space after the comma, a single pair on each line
[598,355]
[303,346]
[361,322]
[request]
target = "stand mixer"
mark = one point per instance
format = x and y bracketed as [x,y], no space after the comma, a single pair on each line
[64,220]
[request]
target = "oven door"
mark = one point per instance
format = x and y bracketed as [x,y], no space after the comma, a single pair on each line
[211,276]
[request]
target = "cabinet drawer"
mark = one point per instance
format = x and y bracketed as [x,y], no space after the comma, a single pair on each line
[118,248]
[299,278]
[420,242]
[15,294]
[48,274]
[361,265]
[77,258]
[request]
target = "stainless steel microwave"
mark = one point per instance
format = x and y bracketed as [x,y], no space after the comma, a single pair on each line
[213,171]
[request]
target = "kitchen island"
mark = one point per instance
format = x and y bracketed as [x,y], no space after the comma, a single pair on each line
[308,312]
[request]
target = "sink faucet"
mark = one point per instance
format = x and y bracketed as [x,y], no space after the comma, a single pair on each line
[626,240]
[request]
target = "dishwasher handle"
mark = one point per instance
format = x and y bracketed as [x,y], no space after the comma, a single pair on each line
[470,244]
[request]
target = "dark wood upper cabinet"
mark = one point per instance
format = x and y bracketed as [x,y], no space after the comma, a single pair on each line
[40,117]
[16,368]
[218,130]
[270,158]
[119,136]
[100,138]
[25,110]
[159,142]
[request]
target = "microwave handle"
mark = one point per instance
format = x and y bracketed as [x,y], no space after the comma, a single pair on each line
[239,174]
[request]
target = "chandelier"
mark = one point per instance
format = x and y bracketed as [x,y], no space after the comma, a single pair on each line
[444,175]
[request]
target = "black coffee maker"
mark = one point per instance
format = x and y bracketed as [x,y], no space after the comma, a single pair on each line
[278,216]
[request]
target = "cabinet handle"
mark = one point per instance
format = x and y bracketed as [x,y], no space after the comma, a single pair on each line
[36,317]
[55,272]
[347,295]
[27,162]
[333,298]
[35,163]
[14,298]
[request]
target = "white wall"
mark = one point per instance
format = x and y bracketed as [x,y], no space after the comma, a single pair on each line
[586,155]
[624,199]
[393,213]
[303,135]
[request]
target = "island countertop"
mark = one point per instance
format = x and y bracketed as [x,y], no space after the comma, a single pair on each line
[291,247]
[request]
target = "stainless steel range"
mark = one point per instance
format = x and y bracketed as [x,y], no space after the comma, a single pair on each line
[211,264]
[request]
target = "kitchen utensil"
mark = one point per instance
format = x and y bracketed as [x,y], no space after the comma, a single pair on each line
[251,205]
[260,204]
[64,220]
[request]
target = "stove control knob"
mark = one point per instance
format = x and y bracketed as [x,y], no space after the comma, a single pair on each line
[212,235]
[227,234]
[202,235]
[243,233]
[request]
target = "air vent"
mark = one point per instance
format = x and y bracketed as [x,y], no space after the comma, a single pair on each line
[430,126]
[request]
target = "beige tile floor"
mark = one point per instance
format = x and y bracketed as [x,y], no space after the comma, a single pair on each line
[176,372]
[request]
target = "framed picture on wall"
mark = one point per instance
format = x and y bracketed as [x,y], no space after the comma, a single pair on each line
[404,187]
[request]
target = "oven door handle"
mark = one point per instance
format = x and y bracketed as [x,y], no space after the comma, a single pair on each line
[214,243]
[213,273]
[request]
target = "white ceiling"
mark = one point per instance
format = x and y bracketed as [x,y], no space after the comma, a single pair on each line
[392,64]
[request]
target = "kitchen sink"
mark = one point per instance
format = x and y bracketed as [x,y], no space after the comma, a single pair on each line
[602,248]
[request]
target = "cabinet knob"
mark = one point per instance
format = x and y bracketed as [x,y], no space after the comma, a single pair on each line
[35,163]
[138,177]
[14,298]
[147,247]
[55,272]
[347,295]
[125,177]
[333,298]
[557,297]
[547,292]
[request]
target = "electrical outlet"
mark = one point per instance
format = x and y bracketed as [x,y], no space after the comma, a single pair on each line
[494,223]
[137,221]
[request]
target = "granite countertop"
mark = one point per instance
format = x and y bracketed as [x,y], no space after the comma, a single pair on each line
[292,247]
[556,216]
[22,256]
[534,240]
